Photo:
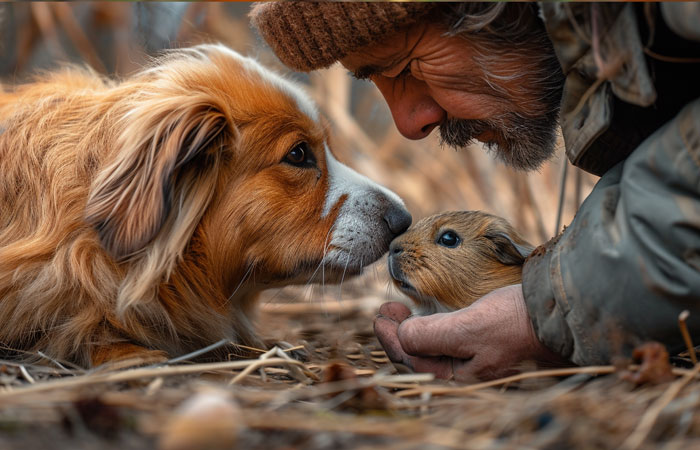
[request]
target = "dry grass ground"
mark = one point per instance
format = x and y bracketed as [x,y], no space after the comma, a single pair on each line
[330,385]
[334,388]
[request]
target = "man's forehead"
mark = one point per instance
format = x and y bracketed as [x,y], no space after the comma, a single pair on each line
[381,56]
[374,58]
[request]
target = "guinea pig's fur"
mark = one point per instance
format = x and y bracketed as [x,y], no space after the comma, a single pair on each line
[140,218]
[487,254]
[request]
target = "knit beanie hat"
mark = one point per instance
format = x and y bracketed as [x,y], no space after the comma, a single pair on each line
[313,35]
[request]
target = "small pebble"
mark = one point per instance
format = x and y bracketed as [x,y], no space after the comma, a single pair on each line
[207,420]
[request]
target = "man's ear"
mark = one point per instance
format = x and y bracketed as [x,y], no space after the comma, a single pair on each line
[508,251]
[168,154]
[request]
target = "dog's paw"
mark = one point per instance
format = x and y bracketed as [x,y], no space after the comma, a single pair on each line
[119,356]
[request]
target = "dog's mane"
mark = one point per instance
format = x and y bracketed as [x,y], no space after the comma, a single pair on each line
[53,261]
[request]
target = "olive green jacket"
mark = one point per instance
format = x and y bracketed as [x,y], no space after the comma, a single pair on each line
[629,263]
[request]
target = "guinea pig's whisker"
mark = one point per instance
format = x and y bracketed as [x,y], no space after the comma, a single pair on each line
[389,286]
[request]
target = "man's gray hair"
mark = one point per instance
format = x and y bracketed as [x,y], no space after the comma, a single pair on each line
[498,20]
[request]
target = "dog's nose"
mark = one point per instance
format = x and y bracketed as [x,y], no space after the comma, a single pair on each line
[398,219]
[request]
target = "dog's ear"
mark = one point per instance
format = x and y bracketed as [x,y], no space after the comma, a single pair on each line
[508,251]
[167,156]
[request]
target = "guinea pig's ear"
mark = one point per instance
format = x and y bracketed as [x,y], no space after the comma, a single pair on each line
[168,153]
[508,251]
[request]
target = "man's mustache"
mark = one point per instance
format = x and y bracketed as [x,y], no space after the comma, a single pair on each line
[459,133]
[519,142]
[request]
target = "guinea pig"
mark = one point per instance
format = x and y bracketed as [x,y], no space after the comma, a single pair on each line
[448,261]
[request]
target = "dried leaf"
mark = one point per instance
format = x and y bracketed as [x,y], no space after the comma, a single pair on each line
[654,365]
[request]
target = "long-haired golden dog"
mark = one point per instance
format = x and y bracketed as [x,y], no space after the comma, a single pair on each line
[141,218]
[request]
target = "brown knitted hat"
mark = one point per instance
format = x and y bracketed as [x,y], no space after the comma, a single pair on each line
[313,35]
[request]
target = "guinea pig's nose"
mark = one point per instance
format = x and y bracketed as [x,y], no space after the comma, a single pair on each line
[398,219]
[395,248]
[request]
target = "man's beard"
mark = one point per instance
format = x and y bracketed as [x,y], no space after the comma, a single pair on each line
[522,143]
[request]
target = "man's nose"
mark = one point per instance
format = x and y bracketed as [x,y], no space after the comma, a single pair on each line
[415,112]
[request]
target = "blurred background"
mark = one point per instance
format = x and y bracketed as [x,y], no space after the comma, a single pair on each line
[115,38]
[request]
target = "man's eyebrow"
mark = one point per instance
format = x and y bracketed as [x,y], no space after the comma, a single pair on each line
[364,72]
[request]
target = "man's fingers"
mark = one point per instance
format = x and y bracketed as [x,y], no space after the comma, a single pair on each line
[441,366]
[433,335]
[385,330]
[423,336]
[395,311]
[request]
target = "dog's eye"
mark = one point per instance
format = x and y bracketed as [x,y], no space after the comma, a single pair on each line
[300,156]
[449,239]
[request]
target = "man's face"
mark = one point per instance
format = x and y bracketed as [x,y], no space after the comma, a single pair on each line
[431,80]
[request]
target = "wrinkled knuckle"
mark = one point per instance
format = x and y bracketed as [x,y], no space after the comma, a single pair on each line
[409,335]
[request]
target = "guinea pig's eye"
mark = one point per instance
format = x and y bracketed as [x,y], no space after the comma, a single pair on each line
[449,239]
[300,156]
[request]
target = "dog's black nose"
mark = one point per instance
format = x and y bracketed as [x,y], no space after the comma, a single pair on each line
[395,248]
[398,219]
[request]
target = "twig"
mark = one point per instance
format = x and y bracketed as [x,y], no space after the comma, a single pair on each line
[296,372]
[195,353]
[686,336]
[441,390]
[645,425]
[135,374]
[350,384]
[26,375]
[248,370]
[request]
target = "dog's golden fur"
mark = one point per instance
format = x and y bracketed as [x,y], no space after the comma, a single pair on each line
[489,255]
[131,211]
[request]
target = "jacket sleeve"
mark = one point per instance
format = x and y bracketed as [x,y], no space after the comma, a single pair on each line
[629,263]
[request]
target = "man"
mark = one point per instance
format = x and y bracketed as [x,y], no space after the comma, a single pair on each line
[623,80]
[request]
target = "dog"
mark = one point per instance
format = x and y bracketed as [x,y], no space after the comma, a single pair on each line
[447,261]
[140,219]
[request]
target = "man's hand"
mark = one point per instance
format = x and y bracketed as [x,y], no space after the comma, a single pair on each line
[483,341]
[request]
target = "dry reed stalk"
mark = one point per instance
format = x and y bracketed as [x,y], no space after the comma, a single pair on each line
[568,371]
[351,384]
[188,27]
[461,390]
[64,13]
[686,335]
[260,362]
[136,374]
[47,27]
